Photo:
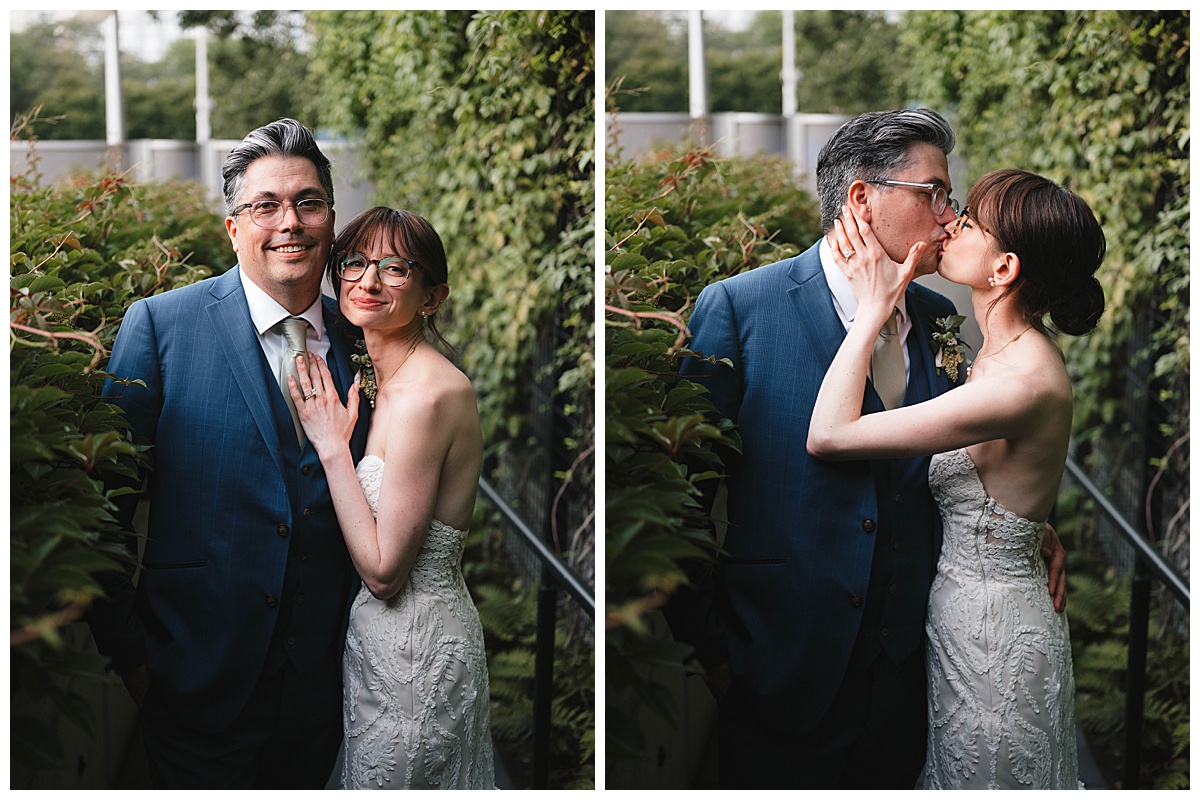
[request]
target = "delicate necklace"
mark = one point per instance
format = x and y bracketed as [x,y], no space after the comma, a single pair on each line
[982,356]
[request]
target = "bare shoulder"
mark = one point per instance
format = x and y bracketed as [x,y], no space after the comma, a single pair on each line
[437,385]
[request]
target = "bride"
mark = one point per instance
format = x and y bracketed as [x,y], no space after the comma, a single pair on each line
[414,671]
[1001,689]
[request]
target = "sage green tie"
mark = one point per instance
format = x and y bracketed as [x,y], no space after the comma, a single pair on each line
[295,330]
[887,364]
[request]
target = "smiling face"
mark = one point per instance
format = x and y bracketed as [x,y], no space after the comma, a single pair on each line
[901,216]
[286,259]
[370,304]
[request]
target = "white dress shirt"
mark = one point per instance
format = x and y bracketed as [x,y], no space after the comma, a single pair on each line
[265,312]
[846,304]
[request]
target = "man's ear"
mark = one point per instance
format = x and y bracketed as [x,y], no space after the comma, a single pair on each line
[858,198]
[231,229]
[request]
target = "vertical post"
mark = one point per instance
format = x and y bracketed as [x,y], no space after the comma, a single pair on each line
[697,74]
[203,121]
[114,115]
[543,680]
[1135,676]
[793,148]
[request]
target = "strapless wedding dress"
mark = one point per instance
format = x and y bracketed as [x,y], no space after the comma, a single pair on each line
[1001,690]
[415,676]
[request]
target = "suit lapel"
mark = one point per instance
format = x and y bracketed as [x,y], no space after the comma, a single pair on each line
[810,297]
[230,318]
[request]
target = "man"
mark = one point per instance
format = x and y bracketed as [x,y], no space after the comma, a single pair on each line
[815,621]
[231,642]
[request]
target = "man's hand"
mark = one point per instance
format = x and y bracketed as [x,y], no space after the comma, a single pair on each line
[1056,566]
[137,682]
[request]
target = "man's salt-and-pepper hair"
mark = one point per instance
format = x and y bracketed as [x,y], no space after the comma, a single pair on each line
[874,146]
[284,137]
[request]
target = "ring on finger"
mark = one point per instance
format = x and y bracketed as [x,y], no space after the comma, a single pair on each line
[847,254]
[310,395]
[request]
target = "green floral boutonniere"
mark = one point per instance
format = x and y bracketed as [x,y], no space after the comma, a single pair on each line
[366,372]
[948,345]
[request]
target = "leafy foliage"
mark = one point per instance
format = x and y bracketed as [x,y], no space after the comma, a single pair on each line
[81,252]
[1099,101]
[674,223]
[1099,616]
[508,611]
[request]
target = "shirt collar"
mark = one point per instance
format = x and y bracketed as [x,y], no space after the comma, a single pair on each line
[844,301]
[265,311]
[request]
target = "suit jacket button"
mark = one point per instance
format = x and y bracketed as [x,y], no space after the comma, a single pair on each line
[869,525]
[893,589]
[896,546]
[282,530]
[856,600]
[883,632]
[291,640]
[271,601]
[305,470]
[899,499]
[299,599]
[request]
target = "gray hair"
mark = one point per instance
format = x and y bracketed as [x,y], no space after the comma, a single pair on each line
[873,146]
[284,137]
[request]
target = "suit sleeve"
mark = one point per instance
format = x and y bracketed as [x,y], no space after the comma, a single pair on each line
[113,619]
[692,610]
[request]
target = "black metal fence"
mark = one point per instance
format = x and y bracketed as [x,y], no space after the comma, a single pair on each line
[544,493]
[1136,472]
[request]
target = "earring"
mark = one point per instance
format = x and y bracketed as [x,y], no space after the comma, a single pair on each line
[992,282]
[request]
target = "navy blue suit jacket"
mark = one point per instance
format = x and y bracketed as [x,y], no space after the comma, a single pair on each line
[230,493]
[787,600]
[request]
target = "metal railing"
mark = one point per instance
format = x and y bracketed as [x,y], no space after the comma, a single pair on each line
[553,575]
[1148,565]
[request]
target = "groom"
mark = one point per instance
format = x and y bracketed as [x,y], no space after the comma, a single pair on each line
[814,618]
[231,641]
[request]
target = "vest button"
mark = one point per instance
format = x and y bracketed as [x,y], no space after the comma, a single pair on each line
[868,525]
[892,589]
[896,546]
[291,640]
[899,499]
[299,599]
[282,530]
[308,513]
[856,600]
[883,632]
[271,601]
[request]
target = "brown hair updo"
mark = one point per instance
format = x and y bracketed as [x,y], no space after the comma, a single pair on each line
[1058,240]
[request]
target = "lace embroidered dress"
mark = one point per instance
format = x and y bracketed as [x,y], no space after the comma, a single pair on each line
[1001,690]
[415,676]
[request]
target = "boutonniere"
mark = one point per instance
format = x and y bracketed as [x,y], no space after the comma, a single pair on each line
[948,345]
[366,372]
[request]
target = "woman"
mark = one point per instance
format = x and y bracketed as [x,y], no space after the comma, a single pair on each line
[1001,690]
[414,671]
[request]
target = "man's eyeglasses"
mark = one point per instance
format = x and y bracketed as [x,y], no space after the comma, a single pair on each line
[939,199]
[269,213]
[394,271]
[964,221]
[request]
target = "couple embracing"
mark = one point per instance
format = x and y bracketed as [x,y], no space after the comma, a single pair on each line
[300,588]
[882,614]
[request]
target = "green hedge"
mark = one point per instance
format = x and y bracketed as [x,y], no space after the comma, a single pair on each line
[81,252]
[673,224]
